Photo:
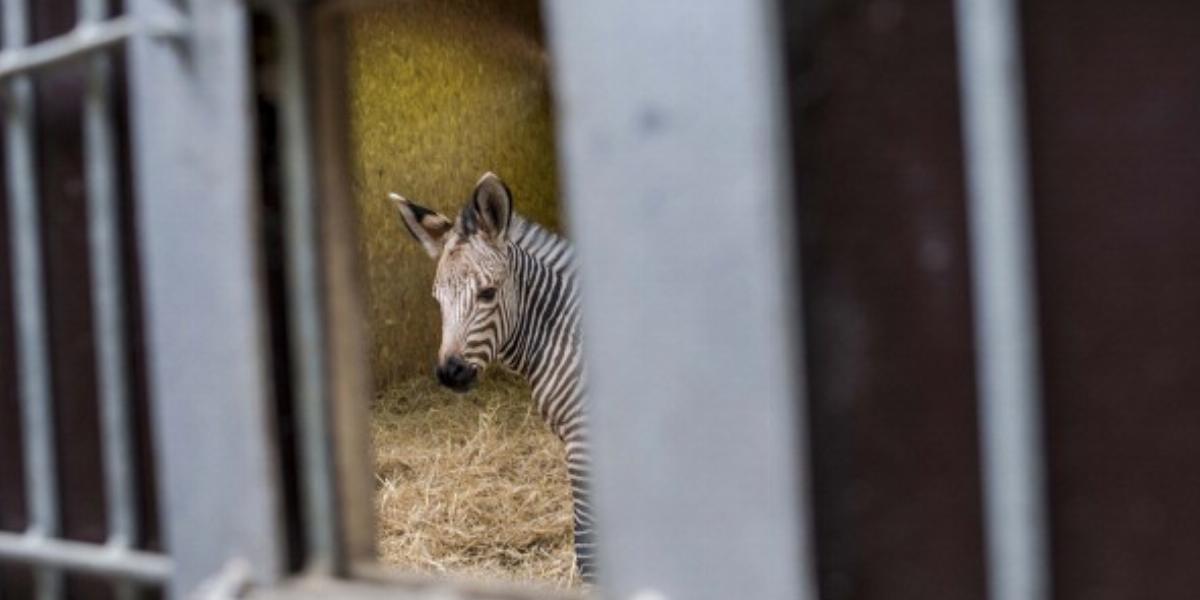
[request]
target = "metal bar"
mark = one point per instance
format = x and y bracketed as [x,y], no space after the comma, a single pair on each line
[82,41]
[90,12]
[199,251]
[108,297]
[322,521]
[32,356]
[347,370]
[675,145]
[108,293]
[104,561]
[991,79]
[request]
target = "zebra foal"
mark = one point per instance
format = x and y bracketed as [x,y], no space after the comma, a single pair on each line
[507,292]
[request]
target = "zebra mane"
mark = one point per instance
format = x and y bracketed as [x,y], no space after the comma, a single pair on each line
[542,244]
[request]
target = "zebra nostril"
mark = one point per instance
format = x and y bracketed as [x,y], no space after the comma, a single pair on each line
[443,375]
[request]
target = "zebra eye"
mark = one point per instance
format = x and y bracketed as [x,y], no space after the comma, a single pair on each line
[487,294]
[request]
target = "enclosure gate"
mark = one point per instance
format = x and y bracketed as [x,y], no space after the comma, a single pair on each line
[90,40]
[192,151]
[671,165]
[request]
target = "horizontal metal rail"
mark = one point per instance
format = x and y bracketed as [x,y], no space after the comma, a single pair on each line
[84,40]
[79,557]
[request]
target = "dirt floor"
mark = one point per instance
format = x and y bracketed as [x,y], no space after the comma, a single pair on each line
[471,485]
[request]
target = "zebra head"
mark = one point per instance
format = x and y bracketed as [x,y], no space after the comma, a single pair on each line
[473,284]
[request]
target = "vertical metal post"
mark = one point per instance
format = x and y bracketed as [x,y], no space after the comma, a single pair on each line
[108,299]
[322,521]
[347,370]
[41,470]
[675,142]
[193,153]
[1005,316]
[107,290]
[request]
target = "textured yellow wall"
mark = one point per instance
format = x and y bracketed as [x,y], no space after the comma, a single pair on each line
[442,90]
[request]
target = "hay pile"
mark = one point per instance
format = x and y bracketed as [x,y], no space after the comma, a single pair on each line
[471,485]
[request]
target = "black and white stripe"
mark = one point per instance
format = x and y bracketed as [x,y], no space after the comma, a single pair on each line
[543,345]
[507,291]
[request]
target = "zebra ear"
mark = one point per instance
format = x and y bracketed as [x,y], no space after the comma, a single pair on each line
[427,226]
[490,208]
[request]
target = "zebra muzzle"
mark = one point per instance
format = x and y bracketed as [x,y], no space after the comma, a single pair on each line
[456,374]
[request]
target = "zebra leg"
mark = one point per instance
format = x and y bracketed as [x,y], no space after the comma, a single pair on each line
[578,470]
[585,540]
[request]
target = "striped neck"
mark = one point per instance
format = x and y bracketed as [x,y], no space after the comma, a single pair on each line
[546,319]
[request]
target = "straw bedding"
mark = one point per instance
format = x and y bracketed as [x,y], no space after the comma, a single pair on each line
[472,485]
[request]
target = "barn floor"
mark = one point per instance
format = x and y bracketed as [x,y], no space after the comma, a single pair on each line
[471,485]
